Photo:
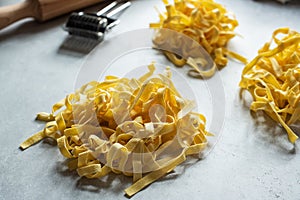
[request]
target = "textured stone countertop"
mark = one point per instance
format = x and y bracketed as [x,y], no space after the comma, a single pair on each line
[36,70]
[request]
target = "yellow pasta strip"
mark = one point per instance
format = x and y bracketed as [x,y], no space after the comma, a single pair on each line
[153,176]
[129,126]
[195,72]
[273,79]
[42,116]
[62,144]
[32,140]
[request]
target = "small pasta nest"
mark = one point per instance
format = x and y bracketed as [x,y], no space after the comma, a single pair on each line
[139,127]
[273,79]
[204,21]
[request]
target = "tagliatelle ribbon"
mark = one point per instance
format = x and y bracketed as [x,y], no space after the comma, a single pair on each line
[273,79]
[205,22]
[140,127]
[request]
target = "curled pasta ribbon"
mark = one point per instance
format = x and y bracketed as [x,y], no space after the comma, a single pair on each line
[273,79]
[204,21]
[140,127]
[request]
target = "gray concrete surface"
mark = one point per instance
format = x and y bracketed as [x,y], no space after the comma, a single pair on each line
[35,72]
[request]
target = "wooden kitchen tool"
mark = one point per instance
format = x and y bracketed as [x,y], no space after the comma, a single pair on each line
[41,10]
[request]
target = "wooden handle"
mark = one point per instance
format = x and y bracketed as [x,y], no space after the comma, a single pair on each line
[53,8]
[13,13]
[41,10]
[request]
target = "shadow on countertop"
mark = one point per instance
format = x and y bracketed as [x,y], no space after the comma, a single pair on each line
[77,46]
[117,183]
[272,133]
[267,130]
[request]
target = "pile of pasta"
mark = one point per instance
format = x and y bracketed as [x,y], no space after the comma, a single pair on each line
[204,21]
[273,79]
[138,127]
